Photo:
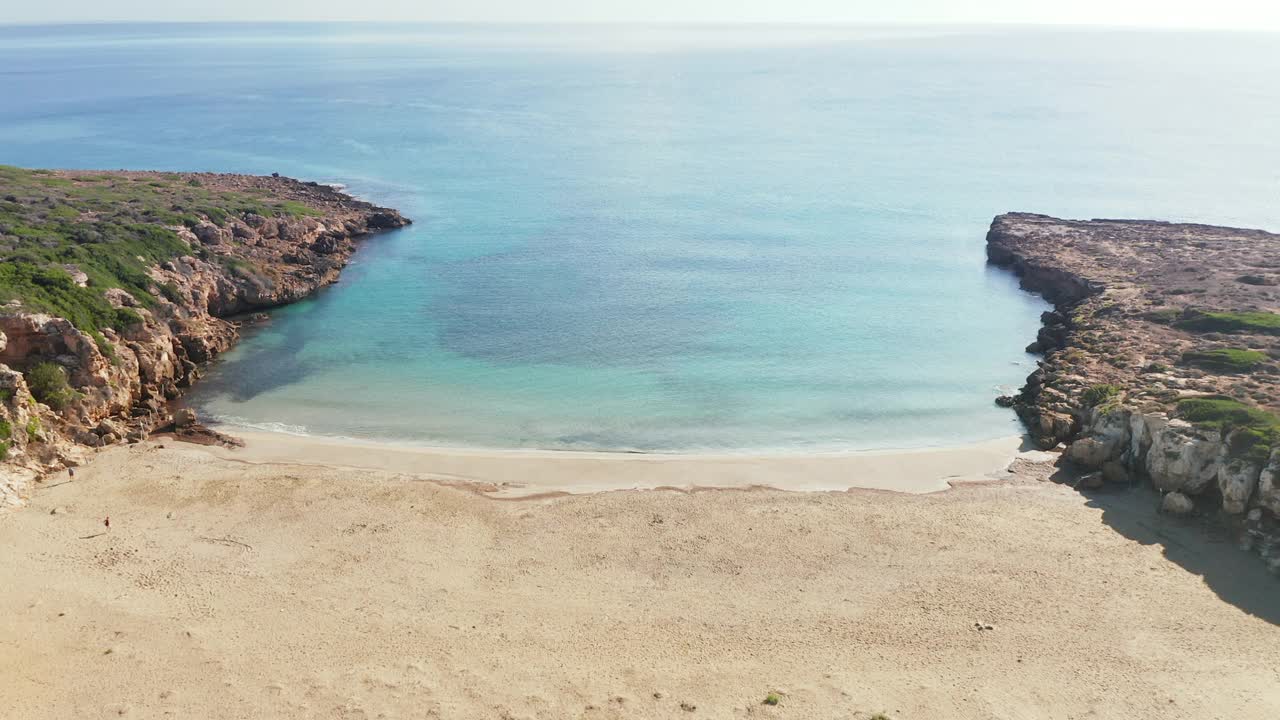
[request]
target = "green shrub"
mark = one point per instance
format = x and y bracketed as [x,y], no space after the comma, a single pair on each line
[1226,359]
[1257,321]
[48,383]
[4,450]
[33,429]
[6,430]
[114,229]
[296,209]
[1100,394]
[1257,430]
[171,293]
[772,699]
[1164,316]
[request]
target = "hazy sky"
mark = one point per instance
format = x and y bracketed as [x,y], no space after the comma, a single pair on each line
[1242,14]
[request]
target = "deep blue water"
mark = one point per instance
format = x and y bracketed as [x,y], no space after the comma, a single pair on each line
[661,238]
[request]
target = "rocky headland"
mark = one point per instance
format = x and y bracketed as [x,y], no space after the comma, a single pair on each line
[1160,360]
[115,287]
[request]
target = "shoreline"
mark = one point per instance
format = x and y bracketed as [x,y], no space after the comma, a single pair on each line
[518,473]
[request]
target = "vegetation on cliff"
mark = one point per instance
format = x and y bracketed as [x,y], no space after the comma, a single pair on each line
[48,384]
[1156,311]
[1256,431]
[1159,359]
[116,286]
[66,239]
[1267,323]
[1225,359]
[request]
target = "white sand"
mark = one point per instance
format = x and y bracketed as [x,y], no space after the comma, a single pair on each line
[227,589]
[520,473]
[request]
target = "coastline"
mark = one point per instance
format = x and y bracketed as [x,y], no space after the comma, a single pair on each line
[517,473]
[116,332]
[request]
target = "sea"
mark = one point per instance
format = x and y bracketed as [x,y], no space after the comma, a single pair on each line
[660,238]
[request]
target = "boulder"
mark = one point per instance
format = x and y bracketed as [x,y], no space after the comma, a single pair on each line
[184,417]
[1175,503]
[1237,479]
[1090,452]
[291,230]
[385,220]
[1109,437]
[1048,428]
[1141,426]
[78,276]
[1269,484]
[1183,457]
[120,298]
[86,437]
[209,234]
[108,427]
[327,244]
[1114,471]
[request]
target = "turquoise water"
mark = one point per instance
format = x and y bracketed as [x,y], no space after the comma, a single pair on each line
[661,238]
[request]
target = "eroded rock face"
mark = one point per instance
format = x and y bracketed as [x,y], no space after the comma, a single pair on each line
[1140,309]
[1108,439]
[124,383]
[1237,479]
[1183,457]
[1269,484]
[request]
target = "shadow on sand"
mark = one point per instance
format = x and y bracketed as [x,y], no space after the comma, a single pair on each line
[1197,544]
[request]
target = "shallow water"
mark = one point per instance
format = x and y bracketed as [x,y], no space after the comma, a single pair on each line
[661,238]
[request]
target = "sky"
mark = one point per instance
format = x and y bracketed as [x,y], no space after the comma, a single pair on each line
[1208,14]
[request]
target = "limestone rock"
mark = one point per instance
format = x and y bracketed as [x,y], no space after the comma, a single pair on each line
[1183,457]
[1175,503]
[184,417]
[1108,439]
[78,276]
[1237,480]
[119,298]
[209,234]
[1090,452]
[1114,471]
[1269,484]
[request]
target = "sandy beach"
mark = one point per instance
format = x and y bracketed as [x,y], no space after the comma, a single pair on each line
[528,473]
[252,584]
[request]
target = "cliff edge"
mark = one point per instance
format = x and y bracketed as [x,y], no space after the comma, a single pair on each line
[1160,359]
[115,287]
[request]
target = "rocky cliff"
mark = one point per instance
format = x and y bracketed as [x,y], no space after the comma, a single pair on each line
[116,287]
[1160,360]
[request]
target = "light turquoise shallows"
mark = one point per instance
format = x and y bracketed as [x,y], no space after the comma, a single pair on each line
[666,239]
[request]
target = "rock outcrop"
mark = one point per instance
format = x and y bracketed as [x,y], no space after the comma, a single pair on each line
[1159,359]
[120,382]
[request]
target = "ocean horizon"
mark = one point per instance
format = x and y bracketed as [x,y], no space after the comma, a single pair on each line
[662,239]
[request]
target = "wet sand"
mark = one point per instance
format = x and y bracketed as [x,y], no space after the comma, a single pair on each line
[522,473]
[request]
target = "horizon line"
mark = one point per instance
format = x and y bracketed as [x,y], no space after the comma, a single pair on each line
[660,23]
